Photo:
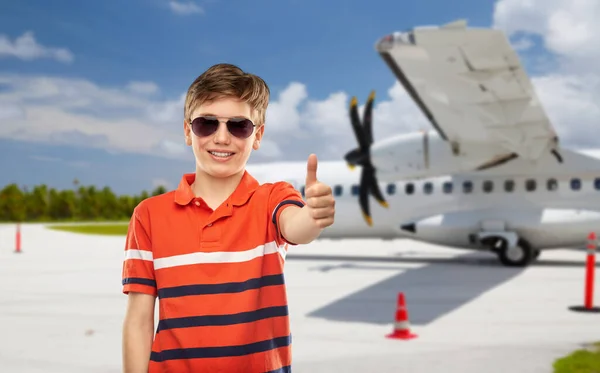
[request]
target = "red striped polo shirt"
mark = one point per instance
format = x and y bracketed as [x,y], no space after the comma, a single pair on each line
[218,276]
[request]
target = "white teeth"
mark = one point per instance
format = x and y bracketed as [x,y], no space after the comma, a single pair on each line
[218,154]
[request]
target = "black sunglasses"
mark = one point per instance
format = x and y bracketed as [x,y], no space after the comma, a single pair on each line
[207,125]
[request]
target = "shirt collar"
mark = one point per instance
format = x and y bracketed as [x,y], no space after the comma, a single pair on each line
[248,184]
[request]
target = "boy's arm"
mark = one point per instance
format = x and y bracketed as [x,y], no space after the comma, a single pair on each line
[140,285]
[303,225]
[138,332]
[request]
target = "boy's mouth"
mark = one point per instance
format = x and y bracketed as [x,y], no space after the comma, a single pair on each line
[221,154]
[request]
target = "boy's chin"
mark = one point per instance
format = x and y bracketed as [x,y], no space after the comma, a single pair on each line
[222,171]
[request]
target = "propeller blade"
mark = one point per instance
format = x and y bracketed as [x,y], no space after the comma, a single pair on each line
[358,129]
[363,197]
[374,188]
[368,119]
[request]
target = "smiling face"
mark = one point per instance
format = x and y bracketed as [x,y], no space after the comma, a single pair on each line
[221,154]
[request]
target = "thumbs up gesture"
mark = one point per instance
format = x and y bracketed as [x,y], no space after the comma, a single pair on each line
[319,198]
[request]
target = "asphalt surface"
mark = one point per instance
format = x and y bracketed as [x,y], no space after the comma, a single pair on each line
[61,308]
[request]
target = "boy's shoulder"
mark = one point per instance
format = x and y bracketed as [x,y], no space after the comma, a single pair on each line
[154,203]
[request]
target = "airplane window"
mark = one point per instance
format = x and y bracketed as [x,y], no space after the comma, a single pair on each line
[409,188]
[337,190]
[530,185]
[488,186]
[428,188]
[355,190]
[391,188]
[575,184]
[597,183]
[467,187]
[447,187]
[509,185]
[552,184]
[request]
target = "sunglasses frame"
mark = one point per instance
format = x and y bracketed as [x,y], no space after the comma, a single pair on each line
[224,120]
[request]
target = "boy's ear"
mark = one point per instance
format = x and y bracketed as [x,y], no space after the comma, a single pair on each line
[259,133]
[187,134]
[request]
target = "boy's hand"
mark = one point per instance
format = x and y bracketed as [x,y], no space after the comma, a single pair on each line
[319,198]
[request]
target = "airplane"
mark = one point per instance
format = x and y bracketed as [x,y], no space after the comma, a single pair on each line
[489,175]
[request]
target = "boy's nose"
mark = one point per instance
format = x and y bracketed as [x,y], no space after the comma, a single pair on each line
[222,135]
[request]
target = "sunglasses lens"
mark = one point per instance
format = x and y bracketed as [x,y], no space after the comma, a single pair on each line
[205,126]
[241,128]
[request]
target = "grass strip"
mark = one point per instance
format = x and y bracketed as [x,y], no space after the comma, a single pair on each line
[102,229]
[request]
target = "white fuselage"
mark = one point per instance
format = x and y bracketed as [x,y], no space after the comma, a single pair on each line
[550,204]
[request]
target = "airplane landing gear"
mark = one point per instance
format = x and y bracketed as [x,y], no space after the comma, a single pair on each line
[512,251]
[519,255]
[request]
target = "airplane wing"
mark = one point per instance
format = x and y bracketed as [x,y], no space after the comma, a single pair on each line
[471,86]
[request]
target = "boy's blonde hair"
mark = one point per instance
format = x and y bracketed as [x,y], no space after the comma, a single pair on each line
[227,80]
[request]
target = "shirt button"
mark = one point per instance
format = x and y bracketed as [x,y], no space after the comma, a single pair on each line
[209,224]
[197,203]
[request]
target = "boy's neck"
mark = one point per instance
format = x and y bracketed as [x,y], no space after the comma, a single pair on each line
[215,190]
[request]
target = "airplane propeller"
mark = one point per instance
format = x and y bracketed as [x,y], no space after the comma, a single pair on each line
[362,156]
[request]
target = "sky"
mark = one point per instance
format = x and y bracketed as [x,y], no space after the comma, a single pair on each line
[94,90]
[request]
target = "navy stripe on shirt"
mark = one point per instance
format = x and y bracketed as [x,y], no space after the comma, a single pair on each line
[140,281]
[231,319]
[225,351]
[230,287]
[283,203]
[280,205]
[286,369]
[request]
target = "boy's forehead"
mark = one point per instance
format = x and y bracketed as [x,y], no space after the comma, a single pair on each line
[225,106]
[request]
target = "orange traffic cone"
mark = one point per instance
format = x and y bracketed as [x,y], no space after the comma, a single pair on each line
[18,239]
[401,323]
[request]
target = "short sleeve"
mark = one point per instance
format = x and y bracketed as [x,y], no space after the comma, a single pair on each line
[283,195]
[138,265]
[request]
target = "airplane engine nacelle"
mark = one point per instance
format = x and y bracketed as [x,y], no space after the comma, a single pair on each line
[451,229]
[425,154]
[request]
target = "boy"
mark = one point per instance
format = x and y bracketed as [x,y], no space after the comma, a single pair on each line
[213,250]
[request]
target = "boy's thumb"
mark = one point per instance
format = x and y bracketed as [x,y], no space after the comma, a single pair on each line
[311,170]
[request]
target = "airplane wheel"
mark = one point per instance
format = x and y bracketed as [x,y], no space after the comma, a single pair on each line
[519,256]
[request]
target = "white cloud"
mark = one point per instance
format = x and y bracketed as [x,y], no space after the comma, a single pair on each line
[79,112]
[569,28]
[392,114]
[571,102]
[27,48]
[522,44]
[283,113]
[143,88]
[66,93]
[570,32]
[185,8]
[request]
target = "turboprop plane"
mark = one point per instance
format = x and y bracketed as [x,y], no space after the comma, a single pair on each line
[490,173]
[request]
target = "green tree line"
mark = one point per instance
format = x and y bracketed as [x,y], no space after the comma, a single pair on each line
[82,203]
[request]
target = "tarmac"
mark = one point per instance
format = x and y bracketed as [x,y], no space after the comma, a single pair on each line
[61,307]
